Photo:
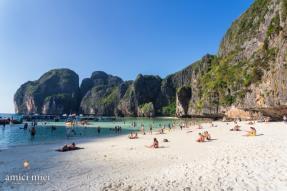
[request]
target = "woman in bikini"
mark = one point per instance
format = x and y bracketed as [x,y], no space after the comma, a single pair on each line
[201,138]
[155,144]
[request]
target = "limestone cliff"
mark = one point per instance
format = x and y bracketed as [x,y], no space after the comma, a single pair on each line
[247,77]
[100,94]
[56,92]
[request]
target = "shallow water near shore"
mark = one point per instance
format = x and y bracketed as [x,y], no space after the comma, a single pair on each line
[13,135]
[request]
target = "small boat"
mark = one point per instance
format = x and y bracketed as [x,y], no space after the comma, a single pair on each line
[14,121]
[4,121]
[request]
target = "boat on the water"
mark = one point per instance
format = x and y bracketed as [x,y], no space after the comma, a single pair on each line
[4,121]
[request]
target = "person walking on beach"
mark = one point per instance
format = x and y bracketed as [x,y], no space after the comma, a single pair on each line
[150,130]
[143,131]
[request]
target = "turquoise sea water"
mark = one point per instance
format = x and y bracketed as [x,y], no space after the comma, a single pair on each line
[12,135]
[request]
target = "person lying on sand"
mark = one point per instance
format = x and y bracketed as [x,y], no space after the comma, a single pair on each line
[199,127]
[133,136]
[251,132]
[155,144]
[235,128]
[206,135]
[69,147]
[201,138]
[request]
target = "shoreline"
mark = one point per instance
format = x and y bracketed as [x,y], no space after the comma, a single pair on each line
[230,161]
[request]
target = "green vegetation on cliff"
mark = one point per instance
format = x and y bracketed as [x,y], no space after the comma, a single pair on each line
[110,97]
[146,109]
[245,27]
[169,110]
[274,27]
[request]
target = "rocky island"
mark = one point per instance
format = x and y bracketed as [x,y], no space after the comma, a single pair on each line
[246,79]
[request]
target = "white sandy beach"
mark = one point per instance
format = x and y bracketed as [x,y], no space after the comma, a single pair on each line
[231,162]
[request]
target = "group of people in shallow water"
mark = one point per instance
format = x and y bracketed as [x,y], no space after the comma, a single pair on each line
[116,129]
[32,130]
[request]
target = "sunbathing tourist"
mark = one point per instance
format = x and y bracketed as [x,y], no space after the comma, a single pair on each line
[206,135]
[251,132]
[68,147]
[236,128]
[155,144]
[133,136]
[201,138]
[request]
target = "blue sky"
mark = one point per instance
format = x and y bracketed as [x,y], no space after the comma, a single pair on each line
[120,37]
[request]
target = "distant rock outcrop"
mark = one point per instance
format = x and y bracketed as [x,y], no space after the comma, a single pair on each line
[56,92]
[100,94]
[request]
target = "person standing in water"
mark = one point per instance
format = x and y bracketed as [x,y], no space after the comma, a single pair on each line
[99,129]
[25,126]
[33,132]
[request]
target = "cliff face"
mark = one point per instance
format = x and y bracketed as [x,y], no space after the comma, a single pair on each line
[248,77]
[141,97]
[249,72]
[100,94]
[257,42]
[56,92]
